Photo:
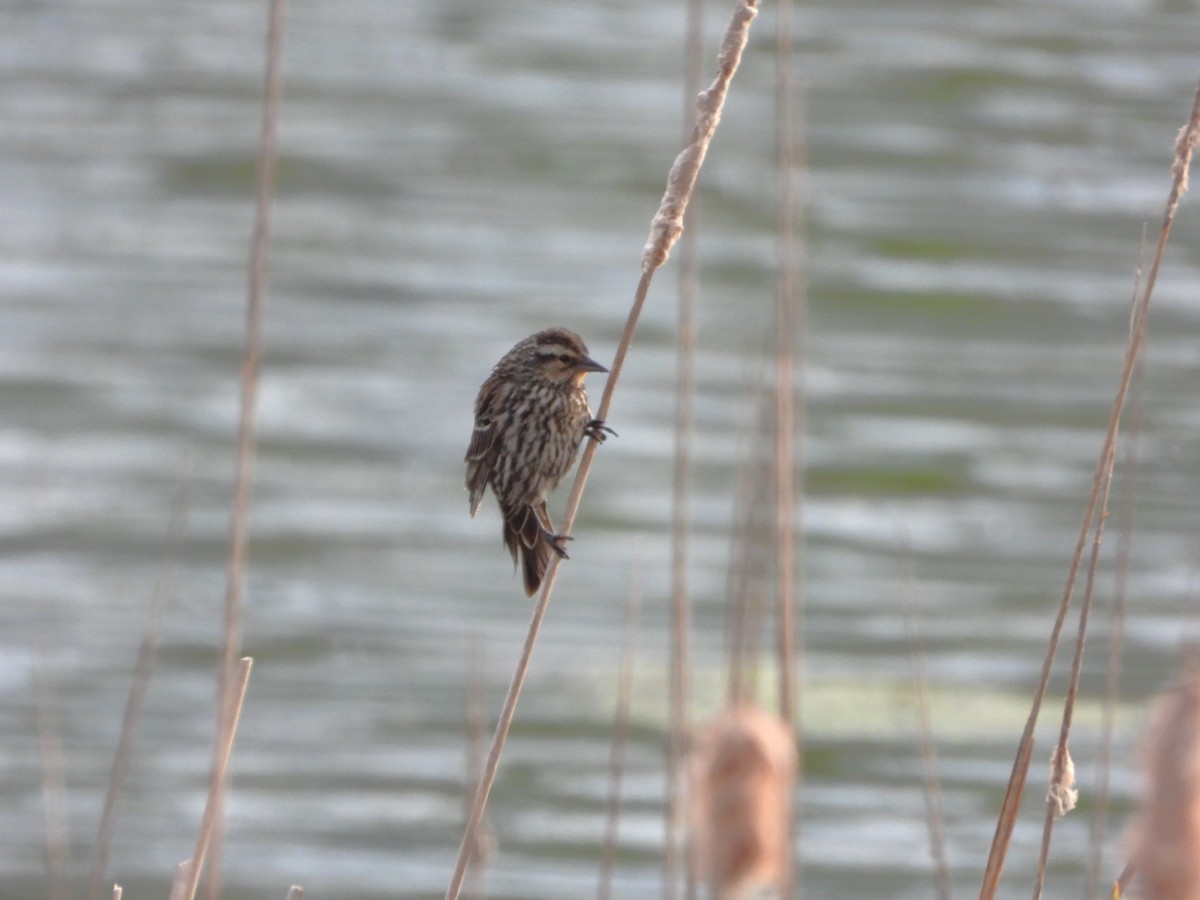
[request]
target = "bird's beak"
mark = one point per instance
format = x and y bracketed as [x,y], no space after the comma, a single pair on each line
[587,364]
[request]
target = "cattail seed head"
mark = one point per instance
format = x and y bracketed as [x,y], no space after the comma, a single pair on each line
[742,778]
[1166,834]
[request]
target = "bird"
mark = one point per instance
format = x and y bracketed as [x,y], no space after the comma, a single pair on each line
[531,417]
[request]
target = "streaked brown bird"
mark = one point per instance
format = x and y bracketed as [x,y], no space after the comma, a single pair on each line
[531,415]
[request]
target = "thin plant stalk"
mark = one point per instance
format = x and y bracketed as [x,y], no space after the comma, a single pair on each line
[788,292]
[736,622]
[1006,822]
[1111,695]
[680,677]
[54,787]
[1116,627]
[737,572]
[1062,778]
[929,763]
[790,300]
[208,822]
[752,536]
[117,892]
[295,892]
[758,543]
[251,366]
[183,876]
[612,815]
[137,694]
[665,229]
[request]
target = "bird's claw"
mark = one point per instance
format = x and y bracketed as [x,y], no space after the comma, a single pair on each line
[556,543]
[596,431]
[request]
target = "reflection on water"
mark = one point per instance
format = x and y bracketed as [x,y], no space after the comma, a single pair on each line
[453,178]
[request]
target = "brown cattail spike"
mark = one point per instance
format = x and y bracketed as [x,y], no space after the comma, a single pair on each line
[1166,835]
[743,774]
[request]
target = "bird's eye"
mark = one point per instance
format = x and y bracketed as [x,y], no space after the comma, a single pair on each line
[564,358]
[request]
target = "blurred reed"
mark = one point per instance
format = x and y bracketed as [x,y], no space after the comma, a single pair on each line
[1185,146]
[143,668]
[251,366]
[194,867]
[930,778]
[743,774]
[54,787]
[1117,624]
[685,379]
[620,739]
[1165,837]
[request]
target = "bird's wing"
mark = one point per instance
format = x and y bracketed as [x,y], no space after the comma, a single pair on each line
[484,447]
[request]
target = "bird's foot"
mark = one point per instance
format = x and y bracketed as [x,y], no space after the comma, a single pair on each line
[556,543]
[596,431]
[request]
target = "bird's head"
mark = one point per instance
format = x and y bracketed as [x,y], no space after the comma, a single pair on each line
[560,356]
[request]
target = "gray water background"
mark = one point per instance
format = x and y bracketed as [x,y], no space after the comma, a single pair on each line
[453,177]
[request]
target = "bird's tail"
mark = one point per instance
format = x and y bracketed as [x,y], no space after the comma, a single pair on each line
[524,535]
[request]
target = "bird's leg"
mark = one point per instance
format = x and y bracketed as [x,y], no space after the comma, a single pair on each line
[555,541]
[595,430]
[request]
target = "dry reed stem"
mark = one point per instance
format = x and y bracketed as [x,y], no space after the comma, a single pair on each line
[183,877]
[1184,147]
[929,765]
[789,294]
[680,664]
[54,787]
[735,588]
[752,536]
[680,676]
[264,177]
[1062,794]
[612,815]
[743,775]
[1117,625]
[1165,839]
[142,670]
[667,225]
[665,230]
[218,780]
[788,502]
[295,892]
[117,892]
[737,572]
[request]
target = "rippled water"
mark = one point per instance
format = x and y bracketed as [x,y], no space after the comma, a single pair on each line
[453,177]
